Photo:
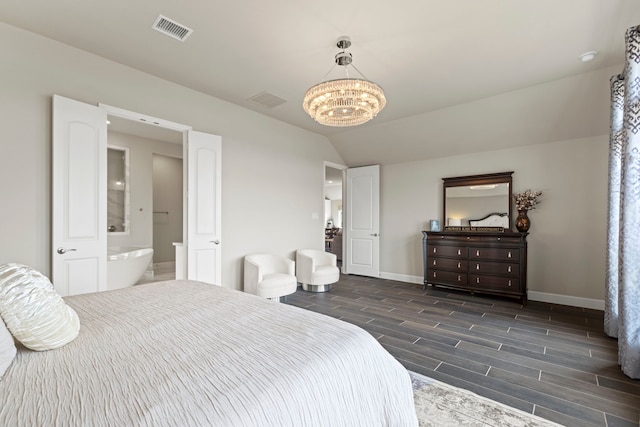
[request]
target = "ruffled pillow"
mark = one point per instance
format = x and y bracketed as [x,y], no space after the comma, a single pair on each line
[7,348]
[33,311]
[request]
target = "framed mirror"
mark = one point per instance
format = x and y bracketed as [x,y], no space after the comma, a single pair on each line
[478,202]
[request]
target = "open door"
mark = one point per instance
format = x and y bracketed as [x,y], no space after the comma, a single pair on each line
[204,164]
[79,197]
[361,230]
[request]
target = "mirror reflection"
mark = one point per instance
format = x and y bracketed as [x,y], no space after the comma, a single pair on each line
[478,201]
[469,204]
[117,189]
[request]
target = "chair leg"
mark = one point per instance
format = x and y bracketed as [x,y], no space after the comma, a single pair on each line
[316,288]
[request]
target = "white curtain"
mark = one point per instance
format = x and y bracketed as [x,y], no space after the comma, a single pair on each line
[622,300]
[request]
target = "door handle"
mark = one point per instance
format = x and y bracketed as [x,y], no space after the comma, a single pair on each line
[217,242]
[374,234]
[63,251]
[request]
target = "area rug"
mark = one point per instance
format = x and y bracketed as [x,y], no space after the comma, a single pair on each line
[439,404]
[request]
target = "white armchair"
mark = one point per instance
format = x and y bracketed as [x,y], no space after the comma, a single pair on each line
[316,270]
[269,276]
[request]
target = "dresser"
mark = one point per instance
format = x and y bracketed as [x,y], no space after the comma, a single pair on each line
[483,262]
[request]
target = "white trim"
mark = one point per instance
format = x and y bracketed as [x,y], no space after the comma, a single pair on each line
[402,278]
[595,304]
[143,118]
[334,165]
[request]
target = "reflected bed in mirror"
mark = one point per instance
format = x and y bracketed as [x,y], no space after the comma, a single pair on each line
[478,201]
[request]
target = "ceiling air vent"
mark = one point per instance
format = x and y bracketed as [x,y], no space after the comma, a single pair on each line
[266,99]
[171,28]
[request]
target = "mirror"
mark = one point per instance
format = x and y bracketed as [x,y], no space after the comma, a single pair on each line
[117,190]
[478,202]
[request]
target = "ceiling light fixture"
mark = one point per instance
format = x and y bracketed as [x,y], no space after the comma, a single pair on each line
[588,56]
[344,102]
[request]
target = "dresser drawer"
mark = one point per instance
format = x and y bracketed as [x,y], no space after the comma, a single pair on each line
[447,277]
[448,264]
[489,267]
[502,254]
[494,283]
[447,251]
[487,262]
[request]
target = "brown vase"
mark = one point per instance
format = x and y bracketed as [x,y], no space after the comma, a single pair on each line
[522,221]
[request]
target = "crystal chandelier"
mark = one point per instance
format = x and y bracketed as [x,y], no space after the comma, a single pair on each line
[344,102]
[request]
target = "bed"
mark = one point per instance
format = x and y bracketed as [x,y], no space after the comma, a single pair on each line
[188,353]
[496,219]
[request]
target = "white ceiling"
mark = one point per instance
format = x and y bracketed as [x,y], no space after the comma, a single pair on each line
[428,56]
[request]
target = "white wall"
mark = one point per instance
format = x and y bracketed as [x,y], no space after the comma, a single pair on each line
[567,239]
[272,173]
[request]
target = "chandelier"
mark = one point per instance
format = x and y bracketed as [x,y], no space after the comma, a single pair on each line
[344,102]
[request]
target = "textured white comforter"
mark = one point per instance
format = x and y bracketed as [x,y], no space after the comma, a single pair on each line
[189,354]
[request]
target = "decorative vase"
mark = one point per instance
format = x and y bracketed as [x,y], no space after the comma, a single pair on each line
[522,221]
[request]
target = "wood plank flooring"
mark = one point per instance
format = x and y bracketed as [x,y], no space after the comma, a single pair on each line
[549,360]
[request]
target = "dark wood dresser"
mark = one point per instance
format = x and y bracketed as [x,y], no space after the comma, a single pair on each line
[484,262]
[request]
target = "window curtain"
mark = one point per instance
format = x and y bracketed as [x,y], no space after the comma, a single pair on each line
[622,299]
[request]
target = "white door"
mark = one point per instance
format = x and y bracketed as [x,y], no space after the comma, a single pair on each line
[362,228]
[79,197]
[204,214]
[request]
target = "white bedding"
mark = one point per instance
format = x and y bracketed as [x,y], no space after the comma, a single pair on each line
[185,353]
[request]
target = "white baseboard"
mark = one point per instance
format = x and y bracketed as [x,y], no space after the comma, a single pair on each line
[402,278]
[594,304]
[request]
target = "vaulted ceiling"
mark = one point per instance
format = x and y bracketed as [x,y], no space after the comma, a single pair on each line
[458,75]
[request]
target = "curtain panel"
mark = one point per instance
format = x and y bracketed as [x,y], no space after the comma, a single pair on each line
[622,299]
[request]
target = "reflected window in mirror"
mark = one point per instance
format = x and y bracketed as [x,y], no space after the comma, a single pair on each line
[117,190]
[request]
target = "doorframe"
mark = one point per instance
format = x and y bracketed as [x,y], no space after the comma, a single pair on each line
[343,168]
[143,118]
[167,124]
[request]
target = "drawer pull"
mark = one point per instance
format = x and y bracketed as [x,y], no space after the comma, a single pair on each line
[477,280]
[459,252]
[477,266]
[459,278]
[435,261]
[509,283]
[508,268]
[478,253]
[435,250]
[459,265]
[509,254]
[435,274]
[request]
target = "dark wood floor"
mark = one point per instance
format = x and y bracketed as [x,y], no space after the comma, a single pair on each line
[550,360]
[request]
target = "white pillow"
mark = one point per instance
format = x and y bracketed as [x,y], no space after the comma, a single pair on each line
[7,348]
[33,311]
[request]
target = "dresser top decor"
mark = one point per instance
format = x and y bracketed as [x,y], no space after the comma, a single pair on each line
[527,200]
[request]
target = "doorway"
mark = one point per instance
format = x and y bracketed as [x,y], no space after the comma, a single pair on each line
[154,218]
[79,198]
[333,209]
[167,215]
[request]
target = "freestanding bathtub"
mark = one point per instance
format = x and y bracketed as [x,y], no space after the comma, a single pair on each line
[125,266]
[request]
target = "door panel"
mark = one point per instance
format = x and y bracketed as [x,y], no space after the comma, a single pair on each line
[204,213]
[363,221]
[79,185]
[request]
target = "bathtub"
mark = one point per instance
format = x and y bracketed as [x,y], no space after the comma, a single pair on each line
[125,266]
